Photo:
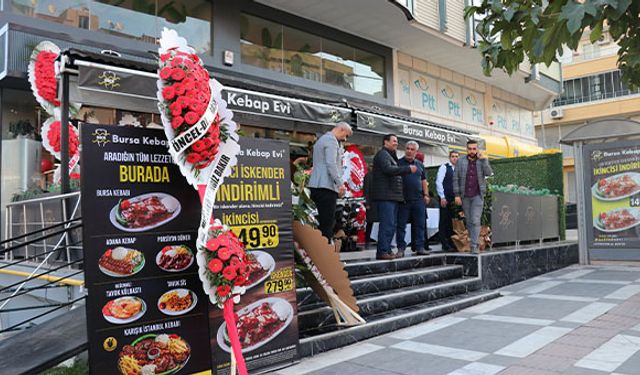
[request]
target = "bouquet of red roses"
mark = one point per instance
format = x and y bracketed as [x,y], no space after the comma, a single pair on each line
[186,94]
[51,138]
[227,263]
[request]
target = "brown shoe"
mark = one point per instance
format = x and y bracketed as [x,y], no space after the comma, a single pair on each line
[386,257]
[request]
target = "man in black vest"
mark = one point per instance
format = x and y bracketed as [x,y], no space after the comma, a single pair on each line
[444,187]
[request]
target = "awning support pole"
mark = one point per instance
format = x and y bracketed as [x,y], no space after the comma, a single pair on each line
[64,136]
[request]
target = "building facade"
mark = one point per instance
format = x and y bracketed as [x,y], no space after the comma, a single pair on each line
[383,65]
[592,90]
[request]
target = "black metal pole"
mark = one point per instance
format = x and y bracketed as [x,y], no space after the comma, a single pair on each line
[64,136]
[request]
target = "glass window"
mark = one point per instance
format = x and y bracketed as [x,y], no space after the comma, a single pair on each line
[272,46]
[20,128]
[133,19]
[369,73]
[261,43]
[191,19]
[608,85]
[302,54]
[596,87]
[571,187]
[337,64]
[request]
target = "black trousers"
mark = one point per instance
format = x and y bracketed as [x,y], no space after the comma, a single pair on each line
[445,227]
[325,201]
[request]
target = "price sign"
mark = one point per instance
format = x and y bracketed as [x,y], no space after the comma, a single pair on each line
[634,201]
[279,281]
[278,286]
[260,236]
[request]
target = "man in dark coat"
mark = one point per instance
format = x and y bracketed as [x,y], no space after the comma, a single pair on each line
[387,193]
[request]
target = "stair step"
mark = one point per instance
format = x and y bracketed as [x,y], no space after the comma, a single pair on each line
[321,315]
[372,266]
[327,338]
[367,284]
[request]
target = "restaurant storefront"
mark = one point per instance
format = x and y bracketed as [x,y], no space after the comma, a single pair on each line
[286,79]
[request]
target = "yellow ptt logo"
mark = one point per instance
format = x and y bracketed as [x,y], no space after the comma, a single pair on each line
[110,344]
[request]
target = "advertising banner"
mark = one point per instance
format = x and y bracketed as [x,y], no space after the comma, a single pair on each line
[613,183]
[450,100]
[423,92]
[255,201]
[146,311]
[513,119]
[473,107]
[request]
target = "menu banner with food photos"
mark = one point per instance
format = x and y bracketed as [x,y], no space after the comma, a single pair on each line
[146,310]
[255,202]
[613,186]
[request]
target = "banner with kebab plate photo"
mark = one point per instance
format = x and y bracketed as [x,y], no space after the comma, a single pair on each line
[203,142]
[42,72]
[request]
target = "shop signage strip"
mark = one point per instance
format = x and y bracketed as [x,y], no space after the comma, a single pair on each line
[382,124]
[240,100]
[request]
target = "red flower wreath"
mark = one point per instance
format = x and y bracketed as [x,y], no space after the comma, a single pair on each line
[53,136]
[186,93]
[227,263]
[45,77]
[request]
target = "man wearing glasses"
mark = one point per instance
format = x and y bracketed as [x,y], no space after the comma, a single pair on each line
[469,187]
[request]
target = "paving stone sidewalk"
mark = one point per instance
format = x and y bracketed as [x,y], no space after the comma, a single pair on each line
[575,321]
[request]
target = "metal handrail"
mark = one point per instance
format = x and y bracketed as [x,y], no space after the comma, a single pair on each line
[27,223]
[46,198]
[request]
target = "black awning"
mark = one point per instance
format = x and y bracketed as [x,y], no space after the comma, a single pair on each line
[115,84]
[146,63]
[412,130]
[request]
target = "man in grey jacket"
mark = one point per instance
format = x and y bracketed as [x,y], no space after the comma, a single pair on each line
[326,176]
[469,187]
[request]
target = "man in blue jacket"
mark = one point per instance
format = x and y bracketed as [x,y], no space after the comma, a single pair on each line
[469,187]
[386,192]
[325,182]
[416,197]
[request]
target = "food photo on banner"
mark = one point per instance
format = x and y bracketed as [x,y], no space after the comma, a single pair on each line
[614,171]
[255,202]
[146,310]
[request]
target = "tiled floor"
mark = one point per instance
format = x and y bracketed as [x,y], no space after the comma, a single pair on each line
[575,321]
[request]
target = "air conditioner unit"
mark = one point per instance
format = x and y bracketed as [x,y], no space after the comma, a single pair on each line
[556,113]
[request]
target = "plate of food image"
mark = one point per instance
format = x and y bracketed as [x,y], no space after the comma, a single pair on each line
[121,262]
[154,354]
[617,220]
[617,187]
[177,302]
[124,310]
[258,323]
[260,266]
[144,212]
[174,258]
